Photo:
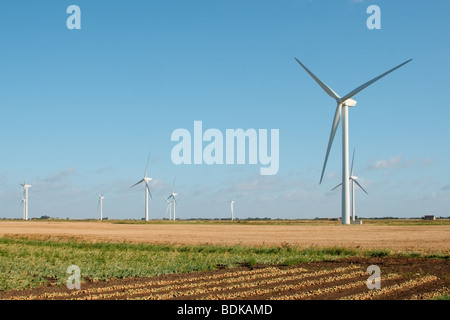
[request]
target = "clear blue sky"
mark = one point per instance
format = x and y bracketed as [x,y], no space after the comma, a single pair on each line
[81,109]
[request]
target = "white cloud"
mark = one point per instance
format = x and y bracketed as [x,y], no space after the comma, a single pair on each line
[393,162]
[398,161]
[56,180]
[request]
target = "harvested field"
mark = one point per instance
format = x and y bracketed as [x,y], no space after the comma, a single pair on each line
[345,279]
[427,238]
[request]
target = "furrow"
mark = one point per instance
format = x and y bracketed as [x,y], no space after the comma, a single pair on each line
[198,279]
[395,287]
[248,288]
[431,295]
[253,291]
[174,290]
[328,290]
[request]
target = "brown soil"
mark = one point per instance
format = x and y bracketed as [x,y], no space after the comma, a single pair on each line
[401,278]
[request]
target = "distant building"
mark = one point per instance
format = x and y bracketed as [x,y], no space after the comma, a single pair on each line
[429,217]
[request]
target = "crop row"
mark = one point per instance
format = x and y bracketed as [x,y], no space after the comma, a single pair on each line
[191,281]
[214,290]
[395,287]
[331,289]
[269,283]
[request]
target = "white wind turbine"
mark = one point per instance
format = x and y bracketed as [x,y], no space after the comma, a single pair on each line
[147,188]
[232,201]
[100,205]
[25,199]
[169,207]
[354,180]
[342,110]
[174,200]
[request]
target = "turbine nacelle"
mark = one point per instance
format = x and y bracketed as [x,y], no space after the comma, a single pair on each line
[349,103]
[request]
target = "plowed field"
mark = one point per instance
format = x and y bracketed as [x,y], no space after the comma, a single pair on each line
[401,278]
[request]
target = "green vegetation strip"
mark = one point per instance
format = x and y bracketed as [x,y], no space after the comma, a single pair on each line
[28,263]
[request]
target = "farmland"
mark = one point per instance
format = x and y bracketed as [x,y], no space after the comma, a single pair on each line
[222,261]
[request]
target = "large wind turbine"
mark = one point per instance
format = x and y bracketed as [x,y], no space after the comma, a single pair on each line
[25,199]
[147,188]
[354,180]
[100,205]
[342,111]
[173,195]
[232,207]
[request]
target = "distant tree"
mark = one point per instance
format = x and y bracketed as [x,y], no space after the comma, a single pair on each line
[44,217]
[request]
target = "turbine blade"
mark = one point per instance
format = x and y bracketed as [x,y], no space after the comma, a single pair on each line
[337,117]
[360,186]
[146,167]
[340,184]
[368,83]
[173,185]
[137,183]
[148,189]
[353,158]
[326,88]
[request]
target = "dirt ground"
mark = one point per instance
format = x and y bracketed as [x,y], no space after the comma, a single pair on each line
[410,279]
[435,238]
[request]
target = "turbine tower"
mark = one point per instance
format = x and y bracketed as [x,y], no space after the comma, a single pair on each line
[354,179]
[173,195]
[100,205]
[232,207]
[147,188]
[343,103]
[25,199]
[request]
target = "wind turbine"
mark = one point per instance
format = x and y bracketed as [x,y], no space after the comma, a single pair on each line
[173,195]
[232,207]
[354,180]
[100,205]
[25,199]
[343,103]
[169,207]
[147,188]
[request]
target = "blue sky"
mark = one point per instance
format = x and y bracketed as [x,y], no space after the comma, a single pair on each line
[81,109]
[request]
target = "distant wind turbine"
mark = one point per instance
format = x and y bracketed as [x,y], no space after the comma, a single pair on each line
[232,201]
[174,200]
[100,205]
[342,109]
[25,199]
[147,188]
[354,179]
[169,207]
